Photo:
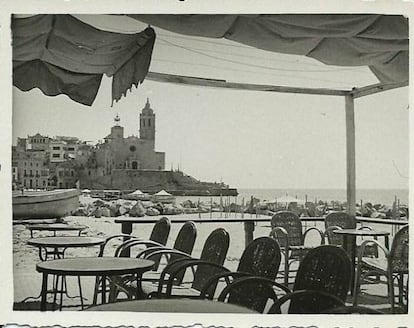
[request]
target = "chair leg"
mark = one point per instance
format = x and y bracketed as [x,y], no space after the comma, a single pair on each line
[55,284]
[80,292]
[390,282]
[286,278]
[96,291]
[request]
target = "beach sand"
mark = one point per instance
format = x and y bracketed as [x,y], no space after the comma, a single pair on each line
[27,282]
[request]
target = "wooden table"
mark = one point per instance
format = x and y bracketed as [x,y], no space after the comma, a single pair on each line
[90,266]
[54,228]
[173,305]
[349,243]
[60,244]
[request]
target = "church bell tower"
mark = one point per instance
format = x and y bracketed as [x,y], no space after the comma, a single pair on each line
[147,123]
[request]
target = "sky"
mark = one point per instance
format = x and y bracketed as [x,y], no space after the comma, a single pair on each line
[243,138]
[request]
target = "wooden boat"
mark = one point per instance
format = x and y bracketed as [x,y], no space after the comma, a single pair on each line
[44,204]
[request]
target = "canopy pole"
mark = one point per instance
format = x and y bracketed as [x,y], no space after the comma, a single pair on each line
[350,154]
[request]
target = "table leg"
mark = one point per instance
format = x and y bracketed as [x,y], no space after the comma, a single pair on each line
[126,228]
[248,232]
[43,293]
[103,290]
[63,287]
[55,284]
[80,292]
[349,244]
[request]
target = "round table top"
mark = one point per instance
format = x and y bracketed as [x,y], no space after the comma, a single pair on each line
[173,305]
[56,227]
[95,266]
[65,241]
[360,232]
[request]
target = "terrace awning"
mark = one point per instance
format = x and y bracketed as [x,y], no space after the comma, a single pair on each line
[61,55]
[377,41]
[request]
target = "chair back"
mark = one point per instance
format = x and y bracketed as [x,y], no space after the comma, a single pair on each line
[185,243]
[399,251]
[249,292]
[307,302]
[324,268]
[292,224]
[214,251]
[186,238]
[341,220]
[261,258]
[160,231]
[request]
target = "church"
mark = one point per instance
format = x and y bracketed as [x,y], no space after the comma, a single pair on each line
[118,152]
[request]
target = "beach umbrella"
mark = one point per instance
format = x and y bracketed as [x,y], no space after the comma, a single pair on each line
[163,193]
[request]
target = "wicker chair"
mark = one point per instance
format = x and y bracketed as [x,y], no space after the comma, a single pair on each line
[322,281]
[287,230]
[159,234]
[338,220]
[260,258]
[210,263]
[158,238]
[252,292]
[307,302]
[394,267]
[183,247]
[342,220]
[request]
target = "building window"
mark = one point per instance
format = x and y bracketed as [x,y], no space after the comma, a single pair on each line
[56,148]
[56,155]
[149,122]
[143,123]
[132,148]
[71,173]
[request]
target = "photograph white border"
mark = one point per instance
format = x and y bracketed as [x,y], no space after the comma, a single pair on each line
[8,7]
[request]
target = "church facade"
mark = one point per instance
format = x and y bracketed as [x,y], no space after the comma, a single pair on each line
[118,152]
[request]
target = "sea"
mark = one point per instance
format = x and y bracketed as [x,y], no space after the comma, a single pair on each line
[374,196]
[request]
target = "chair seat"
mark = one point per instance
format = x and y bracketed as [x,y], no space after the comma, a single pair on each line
[177,291]
[376,263]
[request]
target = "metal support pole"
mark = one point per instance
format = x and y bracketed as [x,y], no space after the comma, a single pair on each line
[126,228]
[350,154]
[248,232]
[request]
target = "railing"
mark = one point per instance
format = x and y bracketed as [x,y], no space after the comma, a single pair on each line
[249,223]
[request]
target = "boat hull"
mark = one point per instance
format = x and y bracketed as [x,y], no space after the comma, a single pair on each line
[45,204]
